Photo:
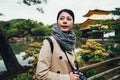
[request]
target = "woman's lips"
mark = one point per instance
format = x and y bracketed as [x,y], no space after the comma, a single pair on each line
[64,26]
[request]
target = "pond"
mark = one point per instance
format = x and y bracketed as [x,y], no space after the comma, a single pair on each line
[20,60]
[18,49]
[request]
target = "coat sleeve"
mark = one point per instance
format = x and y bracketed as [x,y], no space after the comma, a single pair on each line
[44,63]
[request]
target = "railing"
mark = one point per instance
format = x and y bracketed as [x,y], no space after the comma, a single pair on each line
[107,70]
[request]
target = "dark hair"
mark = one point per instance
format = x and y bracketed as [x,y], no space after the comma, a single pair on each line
[68,11]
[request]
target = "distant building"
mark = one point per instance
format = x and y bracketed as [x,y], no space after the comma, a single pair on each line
[93,15]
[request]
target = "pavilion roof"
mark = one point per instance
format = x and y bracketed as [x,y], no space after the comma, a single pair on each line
[85,24]
[96,11]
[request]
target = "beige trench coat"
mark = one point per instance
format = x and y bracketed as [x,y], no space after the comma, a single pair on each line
[53,66]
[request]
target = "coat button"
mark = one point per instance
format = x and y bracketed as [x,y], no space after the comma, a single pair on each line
[58,72]
[60,57]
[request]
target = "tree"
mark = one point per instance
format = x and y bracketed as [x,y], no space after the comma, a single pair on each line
[78,33]
[99,28]
[6,51]
[13,28]
[116,25]
[92,52]
[35,2]
[1,14]
[41,31]
[7,54]
[25,26]
[116,12]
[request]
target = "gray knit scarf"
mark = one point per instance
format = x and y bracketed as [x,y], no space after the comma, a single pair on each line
[65,39]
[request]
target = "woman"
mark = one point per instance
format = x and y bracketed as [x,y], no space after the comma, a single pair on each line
[55,66]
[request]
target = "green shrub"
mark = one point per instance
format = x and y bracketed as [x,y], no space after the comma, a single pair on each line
[90,73]
[92,52]
[113,49]
[23,76]
[33,51]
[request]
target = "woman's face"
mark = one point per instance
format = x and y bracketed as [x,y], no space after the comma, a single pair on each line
[65,22]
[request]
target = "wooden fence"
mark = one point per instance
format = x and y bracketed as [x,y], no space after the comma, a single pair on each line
[106,70]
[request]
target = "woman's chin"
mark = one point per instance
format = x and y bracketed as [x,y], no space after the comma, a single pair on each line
[65,30]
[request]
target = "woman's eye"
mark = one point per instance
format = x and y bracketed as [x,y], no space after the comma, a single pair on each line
[69,19]
[61,18]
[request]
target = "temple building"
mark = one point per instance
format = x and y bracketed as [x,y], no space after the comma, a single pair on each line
[93,15]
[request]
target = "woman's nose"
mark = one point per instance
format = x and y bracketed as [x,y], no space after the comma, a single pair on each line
[64,22]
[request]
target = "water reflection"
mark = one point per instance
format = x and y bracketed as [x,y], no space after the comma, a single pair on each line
[20,59]
[2,66]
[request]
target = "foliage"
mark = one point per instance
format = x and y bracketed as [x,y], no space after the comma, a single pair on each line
[113,49]
[33,52]
[23,76]
[4,25]
[116,12]
[92,52]
[26,25]
[12,31]
[90,72]
[20,27]
[1,14]
[41,31]
[116,25]
[79,62]
[98,28]
[35,2]
[78,33]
